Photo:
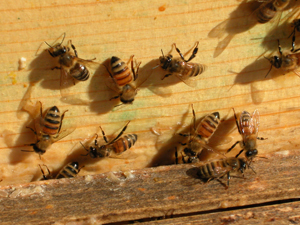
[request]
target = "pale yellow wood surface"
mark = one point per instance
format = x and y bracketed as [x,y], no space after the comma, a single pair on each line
[102,29]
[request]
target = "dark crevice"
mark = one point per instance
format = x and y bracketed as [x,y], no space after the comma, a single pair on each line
[207,212]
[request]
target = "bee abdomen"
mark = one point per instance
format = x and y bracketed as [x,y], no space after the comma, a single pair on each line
[212,170]
[121,72]
[125,143]
[69,171]
[51,121]
[266,13]
[80,72]
[209,125]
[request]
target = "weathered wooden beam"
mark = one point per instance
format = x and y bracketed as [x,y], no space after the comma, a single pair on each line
[148,193]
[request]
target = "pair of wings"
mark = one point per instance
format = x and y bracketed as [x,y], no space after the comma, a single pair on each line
[67,81]
[253,123]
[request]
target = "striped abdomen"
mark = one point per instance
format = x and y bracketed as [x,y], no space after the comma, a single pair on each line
[69,171]
[208,126]
[192,69]
[51,121]
[80,72]
[121,73]
[266,12]
[290,62]
[124,143]
[213,169]
[246,123]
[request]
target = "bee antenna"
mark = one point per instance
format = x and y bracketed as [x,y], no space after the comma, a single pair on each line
[251,167]
[83,146]
[63,38]
[162,53]
[270,67]
[48,44]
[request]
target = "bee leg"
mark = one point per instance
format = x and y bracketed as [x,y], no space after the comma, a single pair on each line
[233,146]
[51,54]
[73,47]
[32,130]
[61,120]
[56,67]
[166,76]
[261,138]
[194,117]
[176,156]
[185,135]
[135,72]
[236,121]
[279,47]
[114,97]
[122,131]
[193,54]
[239,153]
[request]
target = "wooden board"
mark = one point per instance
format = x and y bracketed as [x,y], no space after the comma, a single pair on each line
[159,193]
[235,78]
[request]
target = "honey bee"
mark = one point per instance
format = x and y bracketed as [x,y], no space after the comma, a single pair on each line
[71,67]
[286,61]
[69,171]
[219,168]
[248,127]
[199,136]
[117,145]
[181,67]
[268,10]
[123,79]
[47,129]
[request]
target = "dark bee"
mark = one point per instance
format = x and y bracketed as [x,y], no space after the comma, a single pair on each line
[219,168]
[181,67]
[123,79]
[47,129]
[69,171]
[248,127]
[287,61]
[199,137]
[70,65]
[117,145]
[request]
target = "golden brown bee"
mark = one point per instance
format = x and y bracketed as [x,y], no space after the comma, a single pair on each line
[123,79]
[286,61]
[69,171]
[199,136]
[181,67]
[219,168]
[248,127]
[47,129]
[70,65]
[117,145]
[269,10]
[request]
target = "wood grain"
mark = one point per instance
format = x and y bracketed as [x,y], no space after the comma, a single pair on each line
[101,29]
[161,192]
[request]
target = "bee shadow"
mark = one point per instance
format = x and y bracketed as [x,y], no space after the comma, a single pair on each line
[16,155]
[154,83]
[99,93]
[238,22]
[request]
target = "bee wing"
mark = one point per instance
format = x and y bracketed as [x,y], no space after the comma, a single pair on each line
[212,149]
[63,134]
[66,81]
[255,121]
[111,84]
[191,81]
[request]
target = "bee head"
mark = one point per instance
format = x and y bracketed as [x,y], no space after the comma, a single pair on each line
[165,61]
[38,149]
[276,61]
[189,152]
[250,154]
[93,152]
